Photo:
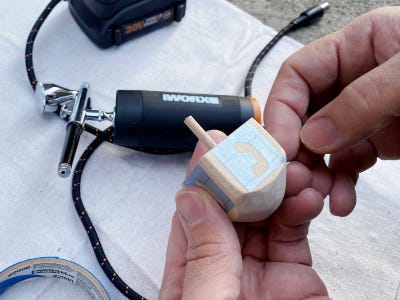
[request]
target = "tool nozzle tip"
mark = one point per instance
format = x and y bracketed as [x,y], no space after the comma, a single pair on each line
[325,5]
[64,170]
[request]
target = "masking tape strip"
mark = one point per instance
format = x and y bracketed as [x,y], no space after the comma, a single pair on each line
[56,268]
[199,177]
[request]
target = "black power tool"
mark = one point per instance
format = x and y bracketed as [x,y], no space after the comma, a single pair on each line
[112,22]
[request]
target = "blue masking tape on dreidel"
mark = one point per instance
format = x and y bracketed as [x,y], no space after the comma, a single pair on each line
[246,172]
[53,267]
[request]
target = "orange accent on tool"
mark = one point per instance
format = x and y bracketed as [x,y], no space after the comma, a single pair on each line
[256,108]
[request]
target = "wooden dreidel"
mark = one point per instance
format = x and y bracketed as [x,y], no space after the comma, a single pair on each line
[245,173]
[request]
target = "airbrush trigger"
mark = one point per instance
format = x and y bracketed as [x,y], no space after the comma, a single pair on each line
[52,96]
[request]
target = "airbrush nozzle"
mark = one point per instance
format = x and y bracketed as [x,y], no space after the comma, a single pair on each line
[74,130]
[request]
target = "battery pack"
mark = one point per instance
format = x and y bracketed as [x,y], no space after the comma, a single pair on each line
[113,22]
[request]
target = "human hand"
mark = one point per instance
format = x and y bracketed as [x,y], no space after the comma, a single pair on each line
[341,95]
[210,258]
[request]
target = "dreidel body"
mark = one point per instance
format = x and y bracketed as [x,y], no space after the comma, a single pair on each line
[245,173]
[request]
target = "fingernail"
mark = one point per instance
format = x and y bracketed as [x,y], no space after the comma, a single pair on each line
[191,207]
[319,134]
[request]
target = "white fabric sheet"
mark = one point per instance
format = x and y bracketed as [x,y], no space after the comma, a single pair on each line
[130,195]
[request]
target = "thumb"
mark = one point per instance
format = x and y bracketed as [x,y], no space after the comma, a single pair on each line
[214,262]
[366,105]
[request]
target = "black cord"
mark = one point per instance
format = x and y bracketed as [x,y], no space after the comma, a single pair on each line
[107,135]
[31,40]
[89,227]
[304,19]
[260,56]
[101,136]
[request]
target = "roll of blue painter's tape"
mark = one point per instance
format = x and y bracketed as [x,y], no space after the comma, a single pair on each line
[53,267]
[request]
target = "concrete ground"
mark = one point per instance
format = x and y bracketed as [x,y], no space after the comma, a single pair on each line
[277,13]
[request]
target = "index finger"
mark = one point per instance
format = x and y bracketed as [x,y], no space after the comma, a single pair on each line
[315,74]
[290,95]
